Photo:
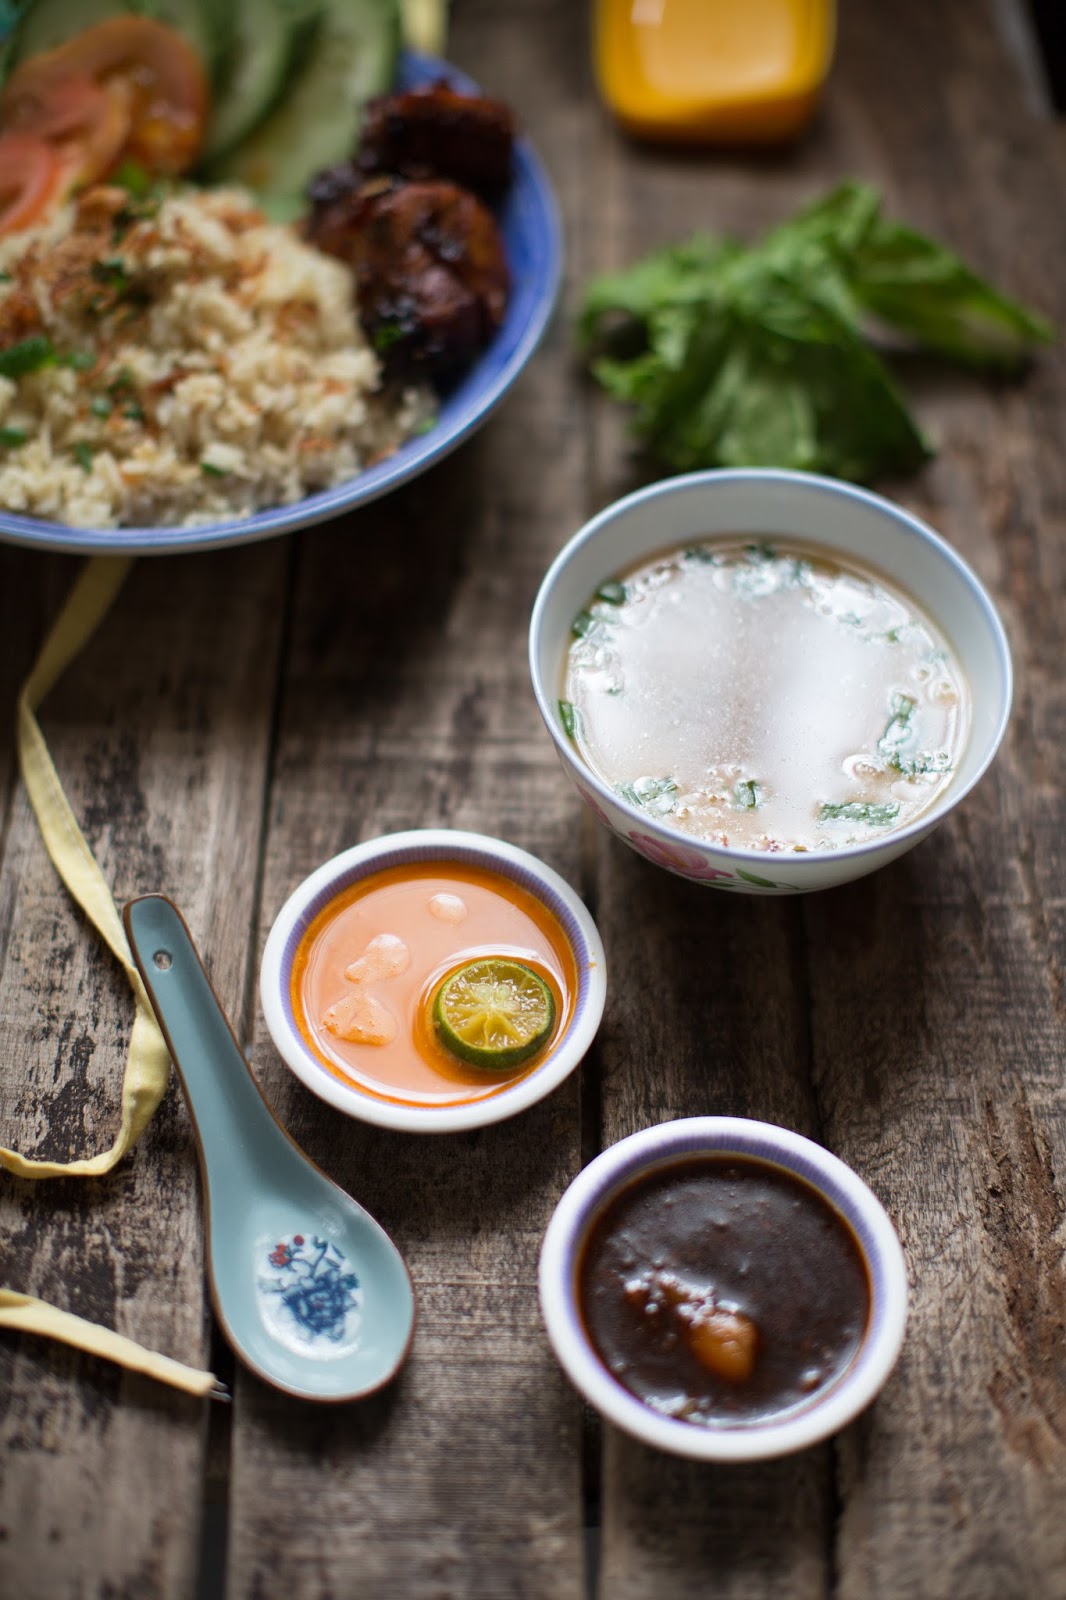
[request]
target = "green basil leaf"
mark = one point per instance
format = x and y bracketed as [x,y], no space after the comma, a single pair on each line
[762,356]
[925,291]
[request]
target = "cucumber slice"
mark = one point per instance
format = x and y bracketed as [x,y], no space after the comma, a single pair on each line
[353,56]
[272,39]
[48,23]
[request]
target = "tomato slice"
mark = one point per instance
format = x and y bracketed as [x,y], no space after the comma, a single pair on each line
[147,72]
[31,179]
[85,123]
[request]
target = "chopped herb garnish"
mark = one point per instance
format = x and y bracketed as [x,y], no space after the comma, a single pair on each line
[83,455]
[656,795]
[582,624]
[134,411]
[79,360]
[568,715]
[877,814]
[144,202]
[921,763]
[612,592]
[899,728]
[134,178]
[11,438]
[100,405]
[29,355]
[747,794]
[211,471]
[426,426]
[123,379]
[112,273]
[5,277]
[700,552]
[763,551]
[386,334]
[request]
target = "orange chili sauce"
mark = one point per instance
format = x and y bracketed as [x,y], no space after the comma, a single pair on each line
[413,1068]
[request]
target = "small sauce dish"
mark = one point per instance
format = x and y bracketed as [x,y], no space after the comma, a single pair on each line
[361,953]
[584,611]
[723,1289]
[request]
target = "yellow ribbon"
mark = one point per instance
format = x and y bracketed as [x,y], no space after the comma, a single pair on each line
[28,1315]
[425,25]
[148,1061]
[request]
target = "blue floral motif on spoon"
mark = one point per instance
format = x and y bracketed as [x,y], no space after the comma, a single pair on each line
[310,1298]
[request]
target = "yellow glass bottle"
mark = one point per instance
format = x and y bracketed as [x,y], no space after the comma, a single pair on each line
[727,71]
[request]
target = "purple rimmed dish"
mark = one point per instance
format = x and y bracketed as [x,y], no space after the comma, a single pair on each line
[335,883]
[723,1289]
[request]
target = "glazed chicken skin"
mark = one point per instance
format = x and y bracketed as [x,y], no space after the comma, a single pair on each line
[405,214]
[431,278]
[437,132]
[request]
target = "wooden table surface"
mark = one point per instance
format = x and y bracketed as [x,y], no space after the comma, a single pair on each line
[243,715]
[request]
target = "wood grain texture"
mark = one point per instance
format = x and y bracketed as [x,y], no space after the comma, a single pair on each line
[159,732]
[407,703]
[243,716]
[932,1058]
[948,1094]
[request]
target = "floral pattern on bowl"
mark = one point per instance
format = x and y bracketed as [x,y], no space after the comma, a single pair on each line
[686,861]
[675,858]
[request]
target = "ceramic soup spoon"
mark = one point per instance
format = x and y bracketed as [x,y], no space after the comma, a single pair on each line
[311,1293]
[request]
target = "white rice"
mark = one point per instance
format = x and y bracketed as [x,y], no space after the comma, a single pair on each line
[229,371]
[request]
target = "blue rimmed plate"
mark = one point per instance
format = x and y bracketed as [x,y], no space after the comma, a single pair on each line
[529,223]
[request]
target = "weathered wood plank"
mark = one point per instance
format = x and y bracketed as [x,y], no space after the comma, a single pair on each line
[938,1043]
[707,1010]
[407,703]
[707,1016]
[160,734]
[913,1023]
[934,1062]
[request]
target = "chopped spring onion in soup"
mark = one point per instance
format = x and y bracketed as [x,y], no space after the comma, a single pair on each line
[765,696]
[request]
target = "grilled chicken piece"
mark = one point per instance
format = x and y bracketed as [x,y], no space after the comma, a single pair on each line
[436,132]
[431,278]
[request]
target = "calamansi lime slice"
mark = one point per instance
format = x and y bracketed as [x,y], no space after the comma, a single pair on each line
[493,1013]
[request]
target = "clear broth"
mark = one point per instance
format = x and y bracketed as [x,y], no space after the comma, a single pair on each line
[765,696]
